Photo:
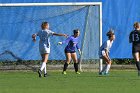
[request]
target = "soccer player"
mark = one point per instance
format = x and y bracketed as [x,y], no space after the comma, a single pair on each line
[70,50]
[134,38]
[44,45]
[104,52]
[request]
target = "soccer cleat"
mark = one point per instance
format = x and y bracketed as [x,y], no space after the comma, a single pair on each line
[77,72]
[101,73]
[64,72]
[40,73]
[106,73]
[45,75]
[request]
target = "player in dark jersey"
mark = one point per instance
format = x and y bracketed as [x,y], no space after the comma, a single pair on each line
[134,38]
[70,50]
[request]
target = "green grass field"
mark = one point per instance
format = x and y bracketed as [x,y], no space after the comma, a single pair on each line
[86,82]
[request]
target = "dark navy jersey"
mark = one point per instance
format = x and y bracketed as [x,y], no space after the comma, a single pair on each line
[134,38]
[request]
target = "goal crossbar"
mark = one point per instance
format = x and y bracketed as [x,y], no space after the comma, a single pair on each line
[51,4]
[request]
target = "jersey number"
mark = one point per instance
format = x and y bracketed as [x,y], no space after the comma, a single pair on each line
[135,37]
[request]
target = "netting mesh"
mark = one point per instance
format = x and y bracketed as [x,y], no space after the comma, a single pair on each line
[90,45]
[19,23]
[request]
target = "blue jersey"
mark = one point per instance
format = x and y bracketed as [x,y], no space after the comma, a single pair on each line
[72,43]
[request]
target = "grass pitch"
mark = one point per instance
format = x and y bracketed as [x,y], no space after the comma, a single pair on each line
[86,82]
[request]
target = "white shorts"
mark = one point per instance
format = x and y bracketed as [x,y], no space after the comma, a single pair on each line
[44,49]
[102,53]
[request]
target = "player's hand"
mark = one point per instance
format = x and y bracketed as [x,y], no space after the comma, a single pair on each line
[79,51]
[34,37]
[109,61]
[65,35]
[59,43]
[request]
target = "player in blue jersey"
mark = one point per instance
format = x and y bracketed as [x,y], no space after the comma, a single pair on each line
[70,50]
[44,45]
[134,38]
[104,52]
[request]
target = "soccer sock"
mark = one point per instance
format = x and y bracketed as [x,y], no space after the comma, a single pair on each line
[45,71]
[65,66]
[43,66]
[104,68]
[76,67]
[138,65]
[107,68]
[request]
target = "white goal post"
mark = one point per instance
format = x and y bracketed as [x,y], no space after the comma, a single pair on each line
[64,4]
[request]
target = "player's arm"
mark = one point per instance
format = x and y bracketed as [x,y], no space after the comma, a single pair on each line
[56,34]
[130,38]
[65,41]
[78,48]
[106,51]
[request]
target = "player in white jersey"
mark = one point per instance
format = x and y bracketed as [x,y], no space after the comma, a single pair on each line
[44,45]
[104,52]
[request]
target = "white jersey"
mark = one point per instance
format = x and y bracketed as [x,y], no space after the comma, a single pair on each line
[44,43]
[105,46]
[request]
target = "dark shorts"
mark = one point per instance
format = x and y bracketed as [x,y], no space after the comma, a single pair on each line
[135,49]
[69,51]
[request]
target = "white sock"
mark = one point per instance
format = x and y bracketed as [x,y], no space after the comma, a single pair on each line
[107,68]
[104,68]
[45,71]
[43,66]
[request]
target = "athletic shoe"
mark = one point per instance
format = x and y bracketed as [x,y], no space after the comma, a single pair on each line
[106,73]
[45,75]
[101,73]
[64,72]
[77,72]
[40,73]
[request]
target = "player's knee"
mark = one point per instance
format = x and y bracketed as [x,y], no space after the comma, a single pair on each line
[68,61]
[75,61]
[110,62]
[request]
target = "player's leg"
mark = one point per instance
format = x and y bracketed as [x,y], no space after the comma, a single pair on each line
[43,65]
[108,64]
[68,59]
[139,65]
[103,56]
[74,58]
[136,56]
[46,55]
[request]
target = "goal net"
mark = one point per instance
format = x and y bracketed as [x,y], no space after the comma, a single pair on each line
[20,20]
